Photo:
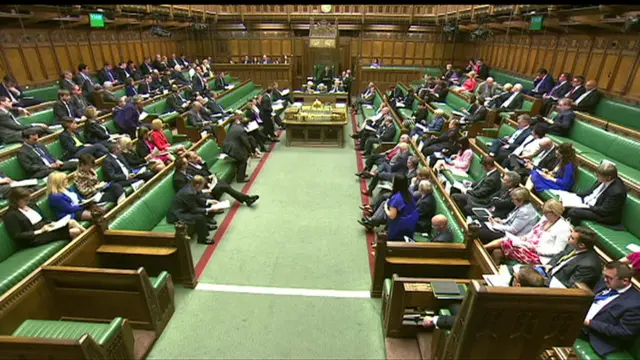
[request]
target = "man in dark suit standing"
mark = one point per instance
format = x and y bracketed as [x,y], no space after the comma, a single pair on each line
[577,88]
[266,114]
[578,262]
[483,189]
[10,127]
[190,207]
[238,147]
[36,160]
[613,321]
[605,200]
[563,121]
[588,101]
[542,84]
[556,93]
[198,84]
[106,74]
[84,81]
[505,146]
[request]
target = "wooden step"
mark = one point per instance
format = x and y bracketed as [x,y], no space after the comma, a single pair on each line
[428,261]
[399,348]
[136,250]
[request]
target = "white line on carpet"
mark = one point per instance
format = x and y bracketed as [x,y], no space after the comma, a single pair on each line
[283,291]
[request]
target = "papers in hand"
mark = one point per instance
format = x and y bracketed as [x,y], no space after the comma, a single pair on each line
[399,104]
[277,106]
[223,156]
[60,223]
[569,199]
[633,247]
[368,127]
[386,185]
[27,182]
[221,205]
[229,87]
[421,127]
[253,125]
[143,115]
[458,185]
[285,92]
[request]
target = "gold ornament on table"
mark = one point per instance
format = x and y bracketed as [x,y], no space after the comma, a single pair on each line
[317,104]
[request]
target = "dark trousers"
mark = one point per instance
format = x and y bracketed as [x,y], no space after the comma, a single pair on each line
[95,150]
[369,144]
[146,176]
[374,159]
[44,172]
[242,170]
[28,102]
[387,176]
[495,146]
[486,235]
[223,187]
[202,227]
[576,215]
[546,106]
[112,193]
[364,135]
[267,123]
[259,138]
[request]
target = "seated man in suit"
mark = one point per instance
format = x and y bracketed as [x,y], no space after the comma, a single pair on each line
[190,207]
[545,158]
[438,93]
[604,201]
[487,88]
[197,166]
[10,89]
[529,148]
[477,113]
[440,232]
[198,84]
[73,144]
[156,82]
[63,108]
[420,115]
[385,133]
[542,83]
[398,164]
[130,87]
[613,321]
[176,102]
[505,146]
[526,276]
[434,126]
[220,83]
[144,88]
[238,147]
[36,160]
[578,262]
[577,88]
[84,81]
[556,93]
[385,157]
[563,122]
[66,82]
[158,63]
[107,94]
[178,77]
[117,169]
[146,67]
[195,119]
[483,190]
[165,80]
[370,126]
[499,204]
[106,74]
[365,98]
[122,72]
[10,127]
[587,102]
[173,61]
[337,87]
[446,140]
[78,102]
[514,100]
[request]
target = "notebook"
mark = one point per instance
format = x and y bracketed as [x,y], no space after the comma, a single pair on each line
[445,288]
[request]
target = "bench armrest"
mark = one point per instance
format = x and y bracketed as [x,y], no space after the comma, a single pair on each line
[180,137]
[490,129]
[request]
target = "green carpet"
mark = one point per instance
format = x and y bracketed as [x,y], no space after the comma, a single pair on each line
[302,233]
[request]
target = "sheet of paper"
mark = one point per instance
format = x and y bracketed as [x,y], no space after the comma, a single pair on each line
[277,106]
[221,205]
[229,87]
[489,225]
[26,182]
[253,125]
[497,280]
[222,156]
[421,127]
[143,115]
[367,127]
[61,223]
[447,187]
[285,92]
[458,185]
[633,247]
[297,104]
[399,104]
[570,199]
[556,284]
[340,105]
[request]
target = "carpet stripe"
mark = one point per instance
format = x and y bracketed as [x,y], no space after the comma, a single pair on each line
[283,291]
[222,229]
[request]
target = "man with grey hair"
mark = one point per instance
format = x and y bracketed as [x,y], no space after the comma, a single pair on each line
[178,77]
[397,165]
[545,158]
[426,205]
[487,89]
[107,93]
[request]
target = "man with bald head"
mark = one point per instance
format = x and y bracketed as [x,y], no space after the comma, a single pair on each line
[440,231]
[487,89]
[587,102]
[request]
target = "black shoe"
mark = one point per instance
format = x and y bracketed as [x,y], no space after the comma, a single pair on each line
[275,140]
[366,176]
[246,179]
[354,136]
[251,200]
[212,227]
[212,221]
[206,241]
[359,174]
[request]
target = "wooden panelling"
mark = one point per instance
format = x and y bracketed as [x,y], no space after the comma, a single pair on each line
[610,60]
[36,56]
[264,75]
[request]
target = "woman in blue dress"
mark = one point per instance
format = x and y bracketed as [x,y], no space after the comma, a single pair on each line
[561,177]
[401,210]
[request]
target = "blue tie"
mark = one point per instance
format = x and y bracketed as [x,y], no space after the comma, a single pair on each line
[43,154]
[603,295]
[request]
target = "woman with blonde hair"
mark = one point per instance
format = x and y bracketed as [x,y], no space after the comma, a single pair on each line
[134,160]
[64,201]
[547,238]
[469,85]
[159,139]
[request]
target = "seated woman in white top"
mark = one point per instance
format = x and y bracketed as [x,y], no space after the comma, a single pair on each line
[547,238]
[28,226]
[518,222]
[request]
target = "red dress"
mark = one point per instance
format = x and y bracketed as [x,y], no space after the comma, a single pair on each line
[522,254]
[469,84]
[159,139]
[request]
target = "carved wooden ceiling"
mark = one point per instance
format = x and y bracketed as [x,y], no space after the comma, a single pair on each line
[561,19]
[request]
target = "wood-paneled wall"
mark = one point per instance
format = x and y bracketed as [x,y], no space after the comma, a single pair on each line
[36,56]
[613,61]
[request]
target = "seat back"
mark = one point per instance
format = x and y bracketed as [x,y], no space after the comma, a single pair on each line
[595,137]
[503,78]
[476,171]
[618,113]
[236,94]
[44,93]
[8,246]
[631,214]
[12,168]
[584,181]
[45,117]
[620,149]
[209,151]
[505,130]
[442,207]
[456,102]
[156,107]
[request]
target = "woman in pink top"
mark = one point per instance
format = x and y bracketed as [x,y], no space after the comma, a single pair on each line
[458,162]
[633,259]
[469,85]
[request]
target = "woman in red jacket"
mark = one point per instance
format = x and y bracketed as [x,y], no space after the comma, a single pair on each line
[159,139]
[469,85]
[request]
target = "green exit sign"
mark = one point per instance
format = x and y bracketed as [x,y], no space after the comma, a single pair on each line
[536,22]
[96,20]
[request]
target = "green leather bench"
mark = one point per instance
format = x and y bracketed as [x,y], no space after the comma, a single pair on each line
[368,112]
[12,168]
[618,113]
[476,172]
[44,117]
[149,212]
[160,108]
[484,141]
[227,78]
[584,351]
[451,102]
[44,93]
[503,78]
[239,96]
[527,106]
[177,139]
[604,145]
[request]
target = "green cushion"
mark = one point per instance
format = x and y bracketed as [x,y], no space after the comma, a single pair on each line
[209,151]
[619,113]
[158,282]
[584,351]
[224,169]
[164,226]
[18,263]
[503,78]
[386,286]
[72,330]
[45,117]
[44,93]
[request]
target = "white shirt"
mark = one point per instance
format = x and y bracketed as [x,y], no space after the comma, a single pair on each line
[122,167]
[584,96]
[517,133]
[32,215]
[73,196]
[509,100]
[529,146]
[13,99]
[593,197]
[559,266]
[599,305]
[536,160]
